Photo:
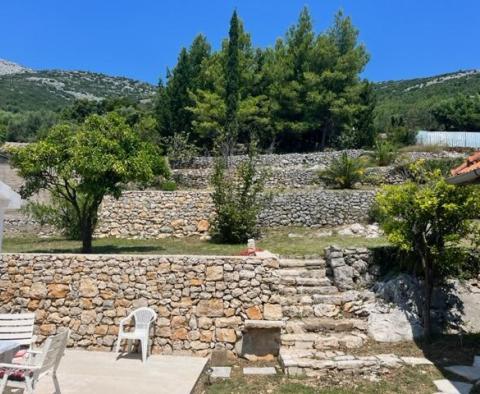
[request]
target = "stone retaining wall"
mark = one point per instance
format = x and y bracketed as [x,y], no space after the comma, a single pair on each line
[289,177]
[318,207]
[156,214]
[351,268]
[281,160]
[315,158]
[202,302]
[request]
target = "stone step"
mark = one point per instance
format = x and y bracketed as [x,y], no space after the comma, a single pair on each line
[301,273]
[313,290]
[322,324]
[311,363]
[298,311]
[324,341]
[301,263]
[304,281]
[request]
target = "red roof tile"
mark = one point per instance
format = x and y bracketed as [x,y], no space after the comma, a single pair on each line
[472,163]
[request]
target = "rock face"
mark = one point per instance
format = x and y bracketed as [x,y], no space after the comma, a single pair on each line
[202,302]
[393,326]
[7,68]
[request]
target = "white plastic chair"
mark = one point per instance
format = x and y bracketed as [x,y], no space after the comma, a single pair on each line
[18,328]
[143,318]
[43,362]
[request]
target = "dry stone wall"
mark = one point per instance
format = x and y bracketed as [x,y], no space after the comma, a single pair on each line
[289,177]
[318,207]
[281,160]
[157,214]
[202,302]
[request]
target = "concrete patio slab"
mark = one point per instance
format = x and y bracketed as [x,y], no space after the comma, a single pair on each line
[220,373]
[259,371]
[451,387]
[470,373]
[101,372]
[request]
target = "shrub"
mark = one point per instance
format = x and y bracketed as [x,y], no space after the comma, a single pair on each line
[384,153]
[430,219]
[444,165]
[237,198]
[59,214]
[344,172]
[402,136]
[180,151]
[168,185]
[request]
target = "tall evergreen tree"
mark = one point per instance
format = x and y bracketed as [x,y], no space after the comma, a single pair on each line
[174,99]
[232,83]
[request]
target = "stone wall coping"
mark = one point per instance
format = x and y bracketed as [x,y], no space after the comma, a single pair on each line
[268,256]
[209,191]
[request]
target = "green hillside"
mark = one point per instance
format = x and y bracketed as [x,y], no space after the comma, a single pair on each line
[413,99]
[53,90]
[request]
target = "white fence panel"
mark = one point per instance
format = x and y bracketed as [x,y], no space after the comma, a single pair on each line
[455,139]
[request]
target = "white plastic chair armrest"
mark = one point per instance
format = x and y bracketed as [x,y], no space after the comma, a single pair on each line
[19,366]
[123,321]
[32,351]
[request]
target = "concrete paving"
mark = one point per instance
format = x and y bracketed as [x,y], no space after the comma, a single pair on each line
[102,373]
[259,371]
[446,386]
[470,373]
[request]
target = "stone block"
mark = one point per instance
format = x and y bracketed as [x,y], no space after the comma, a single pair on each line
[88,288]
[259,371]
[210,308]
[58,290]
[225,335]
[272,312]
[254,313]
[38,291]
[219,373]
[214,273]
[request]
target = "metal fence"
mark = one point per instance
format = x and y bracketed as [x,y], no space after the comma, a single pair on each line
[456,139]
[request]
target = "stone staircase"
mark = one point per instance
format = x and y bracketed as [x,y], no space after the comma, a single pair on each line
[323,321]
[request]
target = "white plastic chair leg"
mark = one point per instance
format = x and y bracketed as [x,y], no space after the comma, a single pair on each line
[144,343]
[3,383]
[117,348]
[29,385]
[56,384]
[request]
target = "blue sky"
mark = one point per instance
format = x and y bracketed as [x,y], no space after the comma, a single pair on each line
[140,38]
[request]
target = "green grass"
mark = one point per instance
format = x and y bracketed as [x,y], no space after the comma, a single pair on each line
[443,350]
[402,381]
[276,241]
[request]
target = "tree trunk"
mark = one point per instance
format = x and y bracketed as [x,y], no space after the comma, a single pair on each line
[427,326]
[87,235]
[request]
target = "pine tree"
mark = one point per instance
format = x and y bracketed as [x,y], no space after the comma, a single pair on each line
[232,85]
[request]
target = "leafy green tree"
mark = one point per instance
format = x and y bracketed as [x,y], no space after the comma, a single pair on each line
[237,197]
[428,217]
[459,113]
[82,164]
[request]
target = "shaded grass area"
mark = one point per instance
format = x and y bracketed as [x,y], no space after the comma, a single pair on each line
[403,381]
[304,242]
[442,351]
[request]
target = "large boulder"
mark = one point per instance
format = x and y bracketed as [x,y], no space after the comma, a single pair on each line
[394,326]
